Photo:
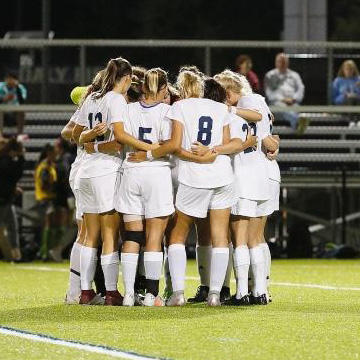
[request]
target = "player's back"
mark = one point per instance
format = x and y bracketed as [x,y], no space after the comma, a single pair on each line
[203,121]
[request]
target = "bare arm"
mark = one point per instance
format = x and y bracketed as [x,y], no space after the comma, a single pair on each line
[78,129]
[174,144]
[111,147]
[249,115]
[67,131]
[236,145]
[91,134]
[209,157]
[270,143]
[124,138]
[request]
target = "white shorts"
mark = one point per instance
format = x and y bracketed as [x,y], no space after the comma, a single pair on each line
[78,212]
[272,204]
[249,208]
[145,191]
[97,193]
[197,202]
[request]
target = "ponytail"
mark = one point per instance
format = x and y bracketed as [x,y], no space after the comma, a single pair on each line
[155,80]
[190,84]
[115,70]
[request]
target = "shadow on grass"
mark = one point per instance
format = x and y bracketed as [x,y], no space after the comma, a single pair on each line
[63,313]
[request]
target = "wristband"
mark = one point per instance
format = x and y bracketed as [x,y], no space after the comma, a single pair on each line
[96,147]
[149,155]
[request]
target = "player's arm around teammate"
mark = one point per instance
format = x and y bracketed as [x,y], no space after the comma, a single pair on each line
[99,175]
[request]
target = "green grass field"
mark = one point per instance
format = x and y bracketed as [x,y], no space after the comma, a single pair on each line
[303,322]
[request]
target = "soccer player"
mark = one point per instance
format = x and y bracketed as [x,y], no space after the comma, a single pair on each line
[146,189]
[99,174]
[253,191]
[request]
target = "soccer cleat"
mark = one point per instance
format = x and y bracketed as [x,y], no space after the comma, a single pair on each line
[88,297]
[151,300]
[176,299]
[201,295]
[225,294]
[139,298]
[129,300]
[71,299]
[113,298]
[260,300]
[214,298]
[244,301]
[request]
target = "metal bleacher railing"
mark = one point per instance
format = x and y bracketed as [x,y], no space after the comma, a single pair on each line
[322,48]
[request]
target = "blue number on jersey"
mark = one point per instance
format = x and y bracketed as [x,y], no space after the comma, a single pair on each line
[98,119]
[142,132]
[271,124]
[246,128]
[205,127]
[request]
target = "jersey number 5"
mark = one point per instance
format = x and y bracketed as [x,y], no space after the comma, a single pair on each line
[98,119]
[205,127]
[142,132]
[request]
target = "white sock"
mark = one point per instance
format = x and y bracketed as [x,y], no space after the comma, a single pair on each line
[219,264]
[74,277]
[129,263]
[167,277]
[241,265]
[267,255]
[230,267]
[153,261]
[177,265]
[110,267]
[88,260]
[203,259]
[257,263]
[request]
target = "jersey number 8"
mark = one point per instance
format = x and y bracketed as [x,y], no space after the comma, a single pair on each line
[205,127]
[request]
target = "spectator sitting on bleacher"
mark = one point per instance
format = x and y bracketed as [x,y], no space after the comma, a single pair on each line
[13,93]
[11,169]
[244,66]
[284,87]
[346,86]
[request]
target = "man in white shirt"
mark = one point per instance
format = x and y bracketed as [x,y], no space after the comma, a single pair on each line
[284,87]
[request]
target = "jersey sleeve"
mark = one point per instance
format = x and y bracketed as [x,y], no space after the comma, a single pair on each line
[75,116]
[81,116]
[175,113]
[117,109]
[165,125]
[236,131]
[249,102]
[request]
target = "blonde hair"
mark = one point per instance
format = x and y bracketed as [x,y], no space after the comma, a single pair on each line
[351,63]
[155,79]
[234,82]
[190,84]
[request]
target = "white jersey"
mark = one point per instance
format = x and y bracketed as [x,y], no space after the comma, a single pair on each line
[272,165]
[203,120]
[150,124]
[251,178]
[76,165]
[108,109]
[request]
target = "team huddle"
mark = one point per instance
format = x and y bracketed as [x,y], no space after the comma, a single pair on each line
[153,160]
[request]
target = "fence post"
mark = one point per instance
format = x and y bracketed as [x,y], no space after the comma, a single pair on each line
[208,61]
[82,63]
[330,74]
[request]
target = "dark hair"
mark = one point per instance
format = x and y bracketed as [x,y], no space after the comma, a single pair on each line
[46,150]
[139,72]
[155,80]
[115,70]
[135,90]
[213,90]
[240,60]
[174,94]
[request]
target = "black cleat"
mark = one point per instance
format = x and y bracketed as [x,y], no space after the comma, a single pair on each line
[201,295]
[225,294]
[260,300]
[233,301]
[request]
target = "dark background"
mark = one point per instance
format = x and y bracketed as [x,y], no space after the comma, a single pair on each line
[164,19]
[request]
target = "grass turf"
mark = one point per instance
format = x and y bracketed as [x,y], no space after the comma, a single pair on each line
[301,323]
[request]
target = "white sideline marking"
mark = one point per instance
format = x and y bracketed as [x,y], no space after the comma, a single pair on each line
[195,278]
[98,349]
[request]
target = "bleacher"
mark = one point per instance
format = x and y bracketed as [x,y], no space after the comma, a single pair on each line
[327,146]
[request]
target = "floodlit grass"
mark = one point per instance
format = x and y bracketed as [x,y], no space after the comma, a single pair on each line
[301,323]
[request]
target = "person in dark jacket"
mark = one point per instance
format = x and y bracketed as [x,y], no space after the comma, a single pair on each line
[11,169]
